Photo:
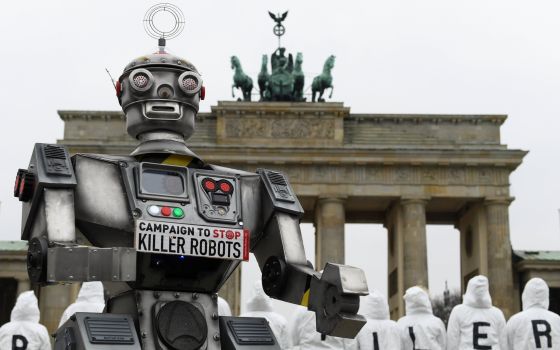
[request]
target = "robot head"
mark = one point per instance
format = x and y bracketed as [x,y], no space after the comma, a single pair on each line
[160,92]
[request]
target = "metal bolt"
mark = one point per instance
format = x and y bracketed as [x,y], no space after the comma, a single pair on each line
[177,294]
[195,296]
[156,295]
[123,164]
[214,296]
[144,335]
[216,337]
[214,316]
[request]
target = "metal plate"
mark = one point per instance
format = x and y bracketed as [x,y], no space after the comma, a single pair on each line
[191,240]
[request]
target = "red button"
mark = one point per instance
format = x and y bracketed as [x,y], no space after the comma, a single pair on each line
[165,211]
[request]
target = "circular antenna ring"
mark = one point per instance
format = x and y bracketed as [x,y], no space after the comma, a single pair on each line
[169,9]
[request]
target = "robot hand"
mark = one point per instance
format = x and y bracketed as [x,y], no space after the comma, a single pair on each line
[335,299]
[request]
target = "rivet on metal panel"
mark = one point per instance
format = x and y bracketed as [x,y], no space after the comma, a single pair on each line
[156,295]
[214,316]
[177,295]
[216,337]
[195,296]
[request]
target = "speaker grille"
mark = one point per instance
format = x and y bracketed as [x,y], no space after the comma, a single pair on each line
[104,330]
[251,331]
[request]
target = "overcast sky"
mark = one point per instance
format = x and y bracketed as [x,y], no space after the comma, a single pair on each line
[425,56]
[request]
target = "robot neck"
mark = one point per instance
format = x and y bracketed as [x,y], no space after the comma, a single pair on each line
[162,141]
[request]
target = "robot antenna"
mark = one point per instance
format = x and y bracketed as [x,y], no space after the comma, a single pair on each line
[162,34]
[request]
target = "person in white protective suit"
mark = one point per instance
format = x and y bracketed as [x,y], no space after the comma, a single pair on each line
[535,327]
[223,307]
[260,305]
[24,332]
[420,329]
[476,324]
[379,333]
[306,337]
[90,299]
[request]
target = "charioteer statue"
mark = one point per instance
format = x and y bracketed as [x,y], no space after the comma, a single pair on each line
[166,229]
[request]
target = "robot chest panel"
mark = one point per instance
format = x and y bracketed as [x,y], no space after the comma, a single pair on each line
[186,211]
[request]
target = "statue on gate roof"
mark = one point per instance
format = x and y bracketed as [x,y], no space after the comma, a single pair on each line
[286,81]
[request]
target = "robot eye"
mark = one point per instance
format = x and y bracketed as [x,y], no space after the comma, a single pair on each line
[141,79]
[190,83]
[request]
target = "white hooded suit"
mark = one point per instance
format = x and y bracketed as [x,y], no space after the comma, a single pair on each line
[306,337]
[24,332]
[380,333]
[535,327]
[260,305]
[476,324]
[420,329]
[223,307]
[90,299]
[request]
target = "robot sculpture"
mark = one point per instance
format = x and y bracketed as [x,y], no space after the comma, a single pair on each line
[167,229]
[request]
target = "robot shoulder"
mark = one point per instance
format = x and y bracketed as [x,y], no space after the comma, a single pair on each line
[278,194]
[50,166]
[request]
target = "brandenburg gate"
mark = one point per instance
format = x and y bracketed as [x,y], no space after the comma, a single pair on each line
[400,170]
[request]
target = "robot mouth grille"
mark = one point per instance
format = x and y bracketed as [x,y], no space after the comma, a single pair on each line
[141,80]
[189,83]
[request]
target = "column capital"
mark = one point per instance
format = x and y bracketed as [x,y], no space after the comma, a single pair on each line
[488,201]
[414,200]
[333,198]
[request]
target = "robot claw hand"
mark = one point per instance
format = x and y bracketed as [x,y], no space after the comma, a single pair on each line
[335,299]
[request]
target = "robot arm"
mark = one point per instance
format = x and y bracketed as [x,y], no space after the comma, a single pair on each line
[46,190]
[287,275]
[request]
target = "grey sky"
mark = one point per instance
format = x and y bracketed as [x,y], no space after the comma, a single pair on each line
[392,57]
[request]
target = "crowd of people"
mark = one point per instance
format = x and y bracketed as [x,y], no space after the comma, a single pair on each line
[475,324]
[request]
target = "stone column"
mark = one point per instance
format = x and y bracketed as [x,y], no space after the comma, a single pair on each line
[407,251]
[53,300]
[231,291]
[415,269]
[330,218]
[500,271]
[474,242]
[23,285]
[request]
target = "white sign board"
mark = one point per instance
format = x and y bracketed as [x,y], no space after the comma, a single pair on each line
[191,240]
